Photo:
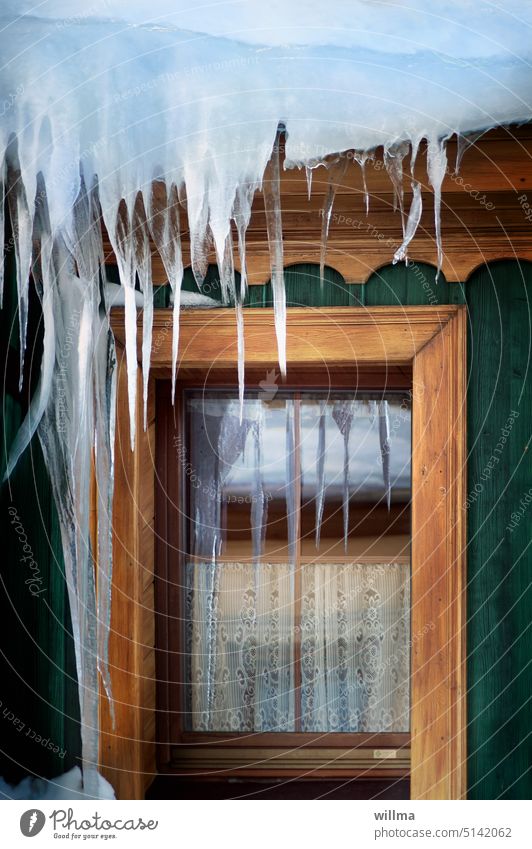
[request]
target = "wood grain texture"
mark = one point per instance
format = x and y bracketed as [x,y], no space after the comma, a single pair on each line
[127,749]
[297,762]
[335,337]
[482,218]
[438,721]
[499,517]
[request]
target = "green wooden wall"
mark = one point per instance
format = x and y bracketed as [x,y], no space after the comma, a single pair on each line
[499,520]
[39,716]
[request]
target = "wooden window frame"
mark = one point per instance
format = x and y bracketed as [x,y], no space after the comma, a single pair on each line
[428,342]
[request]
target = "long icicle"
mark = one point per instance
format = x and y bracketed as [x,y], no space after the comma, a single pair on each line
[240,354]
[242,216]
[125,255]
[166,232]
[22,229]
[2,223]
[308,174]
[436,167]
[141,240]
[416,208]
[343,415]
[414,217]
[104,446]
[271,190]
[291,482]
[345,500]
[65,434]
[259,505]
[44,274]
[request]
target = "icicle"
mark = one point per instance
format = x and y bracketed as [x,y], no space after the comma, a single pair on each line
[200,234]
[242,216]
[337,171]
[125,256]
[463,143]
[241,355]
[416,208]
[393,162]
[343,415]
[384,437]
[104,441]
[229,293]
[85,243]
[166,232]
[226,270]
[143,262]
[308,173]
[414,217]
[320,470]
[2,223]
[65,433]
[22,230]
[44,272]
[259,505]
[436,167]
[271,190]
[361,159]
[291,482]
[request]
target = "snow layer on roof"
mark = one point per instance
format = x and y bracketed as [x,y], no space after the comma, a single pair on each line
[459,28]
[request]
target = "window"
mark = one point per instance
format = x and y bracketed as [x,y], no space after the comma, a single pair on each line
[295,574]
[419,347]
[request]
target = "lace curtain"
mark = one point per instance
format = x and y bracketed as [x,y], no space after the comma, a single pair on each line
[355,624]
[240,641]
[240,636]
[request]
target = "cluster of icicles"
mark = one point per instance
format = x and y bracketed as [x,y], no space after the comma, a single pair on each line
[73,408]
[225,430]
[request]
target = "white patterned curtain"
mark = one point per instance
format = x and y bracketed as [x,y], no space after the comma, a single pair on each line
[355,624]
[354,632]
[240,634]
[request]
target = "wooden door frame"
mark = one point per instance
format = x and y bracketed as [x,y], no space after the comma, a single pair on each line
[430,340]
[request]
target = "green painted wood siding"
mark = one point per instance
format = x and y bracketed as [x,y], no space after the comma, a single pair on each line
[499,553]
[499,516]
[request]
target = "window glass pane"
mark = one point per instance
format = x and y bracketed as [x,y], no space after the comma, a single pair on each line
[355,455]
[237,475]
[287,634]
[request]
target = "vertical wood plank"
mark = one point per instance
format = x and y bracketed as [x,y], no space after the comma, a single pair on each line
[499,511]
[438,567]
